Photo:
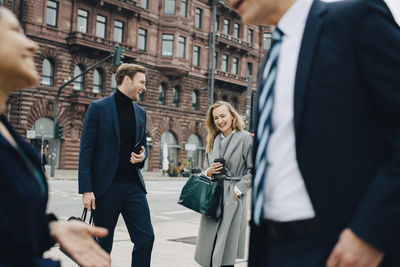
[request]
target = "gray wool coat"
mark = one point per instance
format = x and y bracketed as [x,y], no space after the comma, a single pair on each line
[230,232]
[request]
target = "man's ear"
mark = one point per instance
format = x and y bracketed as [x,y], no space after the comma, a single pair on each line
[126,80]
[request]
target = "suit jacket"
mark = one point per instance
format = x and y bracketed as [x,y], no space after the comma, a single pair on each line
[24,230]
[347,118]
[100,145]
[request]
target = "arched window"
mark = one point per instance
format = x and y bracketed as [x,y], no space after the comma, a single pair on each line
[175,95]
[172,148]
[161,94]
[47,72]
[113,83]
[195,100]
[78,83]
[194,151]
[97,81]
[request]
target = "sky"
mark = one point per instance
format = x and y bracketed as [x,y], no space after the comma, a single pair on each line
[394,6]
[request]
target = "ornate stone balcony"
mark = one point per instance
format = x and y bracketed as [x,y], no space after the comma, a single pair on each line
[128,5]
[229,40]
[230,78]
[93,42]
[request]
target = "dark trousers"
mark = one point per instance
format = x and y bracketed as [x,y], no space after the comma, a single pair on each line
[129,199]
[293,244]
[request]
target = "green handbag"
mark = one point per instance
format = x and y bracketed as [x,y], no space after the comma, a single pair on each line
[201,195]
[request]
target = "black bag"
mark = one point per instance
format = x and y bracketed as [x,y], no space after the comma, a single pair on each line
[202,195]
[83,219]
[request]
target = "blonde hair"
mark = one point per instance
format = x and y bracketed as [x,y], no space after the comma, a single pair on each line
[128,69]
[212,130]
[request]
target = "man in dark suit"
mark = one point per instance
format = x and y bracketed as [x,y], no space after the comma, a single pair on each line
[109,171]
[326,189]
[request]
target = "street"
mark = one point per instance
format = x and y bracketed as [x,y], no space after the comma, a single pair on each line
[175,227]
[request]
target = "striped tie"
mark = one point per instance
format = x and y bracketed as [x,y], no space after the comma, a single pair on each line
[265,102]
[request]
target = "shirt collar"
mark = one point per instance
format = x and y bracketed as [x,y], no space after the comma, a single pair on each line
[294,20]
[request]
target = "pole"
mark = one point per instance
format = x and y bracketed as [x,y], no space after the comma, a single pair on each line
[212,67]
[248,102]
[53,154]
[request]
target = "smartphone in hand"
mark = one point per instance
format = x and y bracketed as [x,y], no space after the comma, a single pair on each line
[137,148]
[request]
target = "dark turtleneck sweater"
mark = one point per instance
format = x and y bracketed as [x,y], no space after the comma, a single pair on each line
[127,129]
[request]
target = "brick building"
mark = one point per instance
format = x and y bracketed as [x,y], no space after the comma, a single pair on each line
[169,37]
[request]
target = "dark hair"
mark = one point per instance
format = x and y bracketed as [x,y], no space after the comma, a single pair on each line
[128,70]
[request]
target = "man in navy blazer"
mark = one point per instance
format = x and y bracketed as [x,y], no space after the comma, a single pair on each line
[109,169]
[331,189]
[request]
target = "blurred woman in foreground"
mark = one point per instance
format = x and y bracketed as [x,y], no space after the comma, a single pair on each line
[26,231]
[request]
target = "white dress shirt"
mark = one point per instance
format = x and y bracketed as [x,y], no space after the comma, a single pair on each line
[285,195]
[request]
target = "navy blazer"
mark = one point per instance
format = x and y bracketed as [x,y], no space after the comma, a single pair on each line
[24,230]
[100,145]
[347,118]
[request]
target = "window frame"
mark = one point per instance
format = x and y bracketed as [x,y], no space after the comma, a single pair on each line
[175,96]
[196,55]
[184,8]
[236,30]
[50,76]
[181,46]
[165,5]
[99,85]
[47,13]
[195,96]
[162,91]
[81,80]
[198,18]
[146,6]
[227,26]
[117,27]
[142,39]
[101,24]
[82,18]
[225,62]
[165,42]
[235,65]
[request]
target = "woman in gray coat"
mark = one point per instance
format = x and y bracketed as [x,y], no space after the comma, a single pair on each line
[220,242]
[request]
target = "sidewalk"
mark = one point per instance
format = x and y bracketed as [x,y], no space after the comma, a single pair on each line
[174,240]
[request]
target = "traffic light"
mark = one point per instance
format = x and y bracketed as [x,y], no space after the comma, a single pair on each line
[117,56]
[59,131]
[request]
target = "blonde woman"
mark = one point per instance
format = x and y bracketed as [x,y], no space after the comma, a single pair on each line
[229,157]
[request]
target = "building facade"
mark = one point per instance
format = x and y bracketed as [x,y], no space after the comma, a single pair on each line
[170,37]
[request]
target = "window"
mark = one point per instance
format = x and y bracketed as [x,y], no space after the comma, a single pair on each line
[224,65]
[51,13]
[194,156]
[236,30]
[234,102]
[196,55]
[175,94]
[195,100]
[227,25]
[161,94]
[118,31]
[113,83]
[197,18]
[169,7]
[167,46]
[47,73]
[249,69]
[215,60]
[250,36]
[216,24]
[144,4]
[267,41]
[97,81]
[235,65]
[78,83]
[82,20]
[142,39]
[184,8]
[182,47]
[101,26]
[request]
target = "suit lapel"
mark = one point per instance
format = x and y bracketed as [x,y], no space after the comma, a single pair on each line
[310,38]
[114,113]
[138,122]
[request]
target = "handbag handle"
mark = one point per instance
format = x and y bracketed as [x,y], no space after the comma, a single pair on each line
[84,213]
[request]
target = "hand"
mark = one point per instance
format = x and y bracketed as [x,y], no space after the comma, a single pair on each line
[89,201]
[352,251]
[236,196]
[76,238]
[215,168]
[136,158]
